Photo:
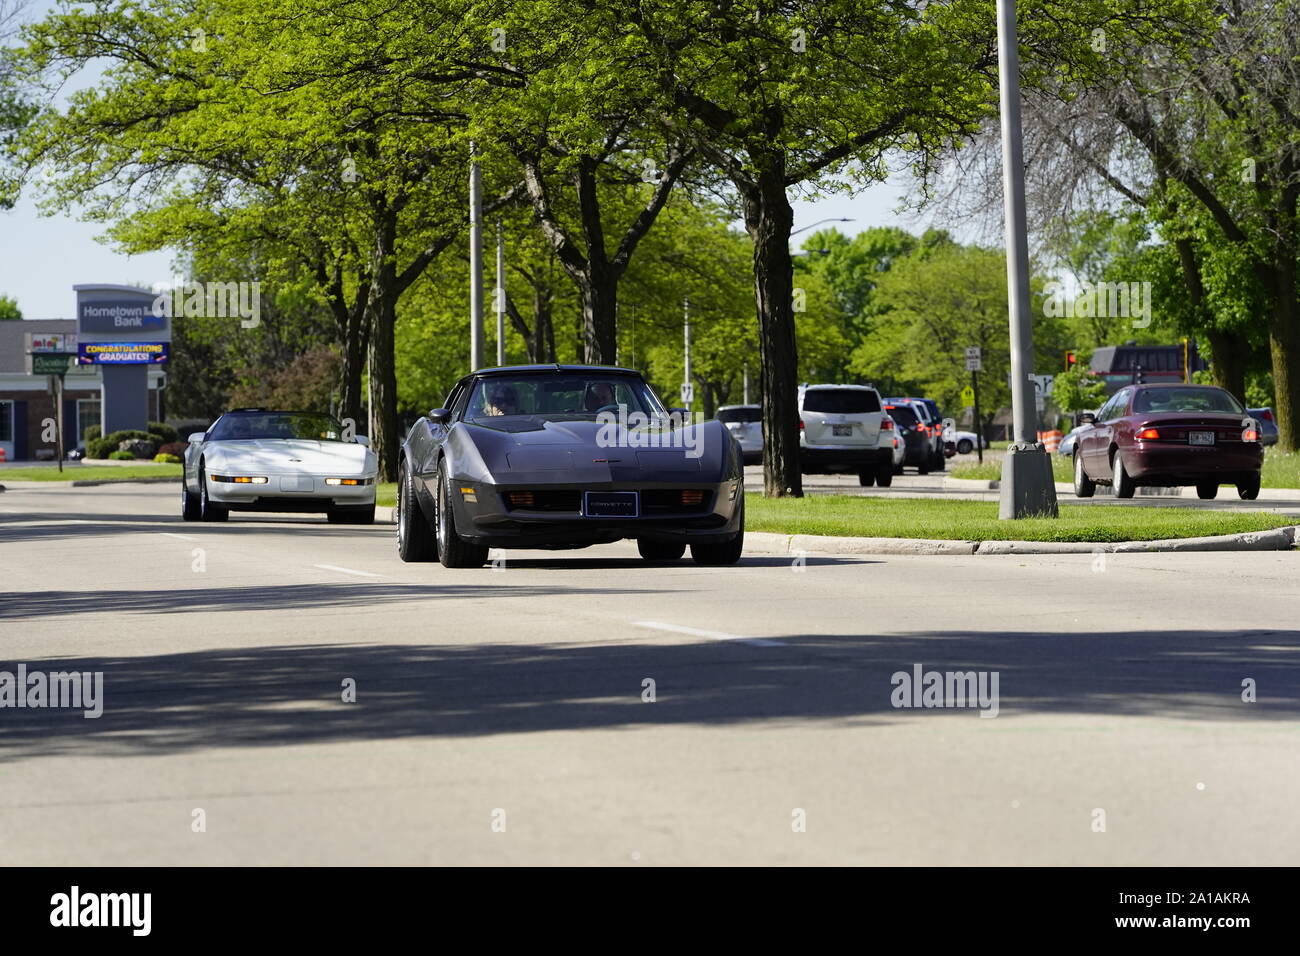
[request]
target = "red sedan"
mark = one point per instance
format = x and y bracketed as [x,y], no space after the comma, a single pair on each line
[1166,435]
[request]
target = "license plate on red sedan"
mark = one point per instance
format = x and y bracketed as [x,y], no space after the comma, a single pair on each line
[1200,438]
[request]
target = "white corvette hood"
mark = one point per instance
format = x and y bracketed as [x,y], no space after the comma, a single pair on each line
[291,456]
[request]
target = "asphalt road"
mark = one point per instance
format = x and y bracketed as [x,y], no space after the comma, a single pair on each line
[514,697]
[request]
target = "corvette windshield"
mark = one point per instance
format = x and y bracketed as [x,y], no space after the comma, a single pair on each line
[249,425]
[559,397]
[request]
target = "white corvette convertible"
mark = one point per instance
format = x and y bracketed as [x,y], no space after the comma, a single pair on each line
[252,459]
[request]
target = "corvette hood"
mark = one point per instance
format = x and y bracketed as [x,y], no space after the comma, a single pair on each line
[289,455]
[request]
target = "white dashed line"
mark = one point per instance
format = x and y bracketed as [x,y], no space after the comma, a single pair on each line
[334,567]
[182,537]
[711,635]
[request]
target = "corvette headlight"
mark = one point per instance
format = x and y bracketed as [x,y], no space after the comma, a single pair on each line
[349,481]
[241,479]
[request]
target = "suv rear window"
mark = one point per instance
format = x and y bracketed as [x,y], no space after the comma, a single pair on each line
[739,415]
[841,401]
[901,414]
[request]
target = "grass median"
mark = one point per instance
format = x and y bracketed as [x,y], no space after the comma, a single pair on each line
[91,472]
[888,517]
[1281,469]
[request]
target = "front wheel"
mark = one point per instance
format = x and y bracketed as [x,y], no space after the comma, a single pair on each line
[660,550]
[209,511]
[1207,490]
[726,552]
[415,539]
[1084,487]
[1249,489]
[453,551]
[189,503]
[964,447]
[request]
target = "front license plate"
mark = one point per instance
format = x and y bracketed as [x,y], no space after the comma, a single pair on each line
[611,504]
[841,431]
[1200,438]
[297,483]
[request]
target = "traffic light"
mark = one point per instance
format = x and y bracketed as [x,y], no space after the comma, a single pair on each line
[1070,360]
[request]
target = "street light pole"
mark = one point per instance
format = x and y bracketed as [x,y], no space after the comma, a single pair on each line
[475,266]
[1027,487]
[501,295]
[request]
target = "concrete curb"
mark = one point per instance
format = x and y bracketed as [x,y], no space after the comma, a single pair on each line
[384,514]
[91,482]
[759,542]
[1066,490]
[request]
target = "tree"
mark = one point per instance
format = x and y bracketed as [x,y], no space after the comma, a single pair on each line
[9,309]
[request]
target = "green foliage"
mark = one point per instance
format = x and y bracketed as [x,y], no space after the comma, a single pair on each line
[163,458]
[104,447]
[1077,390]
[164,433]
[9,310]
[121,456]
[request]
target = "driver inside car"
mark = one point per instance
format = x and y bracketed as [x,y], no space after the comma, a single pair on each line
[502,400]
[598,396]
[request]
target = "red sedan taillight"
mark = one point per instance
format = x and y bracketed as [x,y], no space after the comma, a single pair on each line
[1250,434]
[1148,434]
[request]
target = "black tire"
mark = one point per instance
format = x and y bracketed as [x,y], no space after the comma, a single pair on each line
[453,551]
[351,514]
[189,503]
[937,464]
[1249,489]
[726,552]
[415,539]
[866,478]
[660,550]
[1122,482]
[208,511]
[1207,491]
[965,446]
[1084,487]
[885,476]
[923,468]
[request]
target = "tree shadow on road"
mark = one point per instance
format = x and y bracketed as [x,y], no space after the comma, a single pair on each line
[430,688]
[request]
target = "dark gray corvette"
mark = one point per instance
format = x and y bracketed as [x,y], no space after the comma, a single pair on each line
[566,456]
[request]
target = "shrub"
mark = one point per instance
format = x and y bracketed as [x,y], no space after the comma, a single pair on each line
[164,434]
[121,456]
[104,447]
[174,448]
[166,459]
[92,433]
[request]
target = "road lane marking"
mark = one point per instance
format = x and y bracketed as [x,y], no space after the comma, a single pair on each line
[711,635]
[335,567]
[183,537]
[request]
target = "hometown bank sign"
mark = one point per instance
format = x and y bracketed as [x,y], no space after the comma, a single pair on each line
[119,317]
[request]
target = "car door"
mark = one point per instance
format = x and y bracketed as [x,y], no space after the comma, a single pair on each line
[1104,433]
[1088,440]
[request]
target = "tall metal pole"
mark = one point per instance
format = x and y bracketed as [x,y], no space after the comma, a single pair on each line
[686,325]
[501,295]
[1027,487]
[475,267]
[745,386]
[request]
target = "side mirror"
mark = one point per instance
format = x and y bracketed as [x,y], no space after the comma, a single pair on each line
[196,437]
[363,440]
[1087,418]
[440,416]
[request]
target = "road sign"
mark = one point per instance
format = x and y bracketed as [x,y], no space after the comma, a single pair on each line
[688,393]
[974,362]
[968,397]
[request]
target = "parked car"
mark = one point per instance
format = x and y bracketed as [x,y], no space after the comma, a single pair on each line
[745,422]
[255,459]
[916,444]
[961,443]
[1066,447]
[1267,425]
[839,430]
[1166,435]
[566,456]
[931,419]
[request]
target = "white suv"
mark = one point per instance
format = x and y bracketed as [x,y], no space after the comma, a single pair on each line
[840,429]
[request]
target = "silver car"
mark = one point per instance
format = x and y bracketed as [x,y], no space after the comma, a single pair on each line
[745,422]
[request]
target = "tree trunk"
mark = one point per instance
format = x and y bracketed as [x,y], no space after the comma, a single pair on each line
[1228,358]
[599,337]
[1284,347]
[384,292]
[768,219]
